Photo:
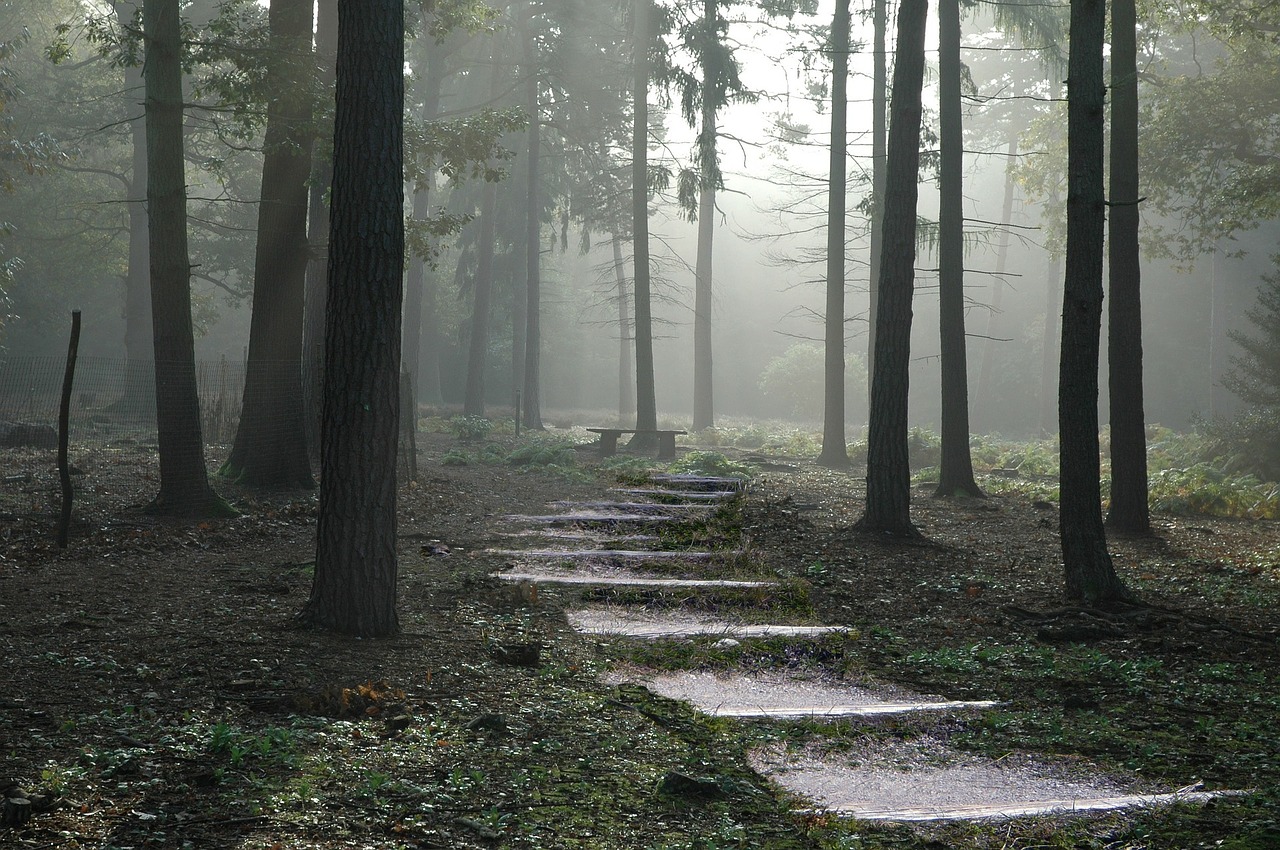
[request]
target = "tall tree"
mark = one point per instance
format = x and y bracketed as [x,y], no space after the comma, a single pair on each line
[184,481]
[626,387]
[1129,511]
[646,394]
[532,397]
[354,590]
[956,473]
[270,447]
[879,136]
[1090,575]
[888,471]
[834,454]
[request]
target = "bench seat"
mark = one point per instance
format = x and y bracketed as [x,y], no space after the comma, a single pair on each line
[666,440]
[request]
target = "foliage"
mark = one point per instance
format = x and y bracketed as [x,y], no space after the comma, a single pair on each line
[1247,444]
[1205,489]
[1255,374]
[795,378]
[710,463]
[470,428]
[543,451]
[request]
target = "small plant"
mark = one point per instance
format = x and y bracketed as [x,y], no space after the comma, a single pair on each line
[456,457]
[543,452]
[710,463]
[470,428]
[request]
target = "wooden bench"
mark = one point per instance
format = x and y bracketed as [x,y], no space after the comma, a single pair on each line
[609,440]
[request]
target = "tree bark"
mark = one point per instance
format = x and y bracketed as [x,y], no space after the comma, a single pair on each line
[1129,509]
[326,45]
[532,398]
[354,590]
[888,471]
[1089,573]
[834,454]
[270,447]
[1048,361]
[626,388]
[481,303]
[184,481]
[956,473]
[879,135]
[646,395]
[983,390]
[703,378]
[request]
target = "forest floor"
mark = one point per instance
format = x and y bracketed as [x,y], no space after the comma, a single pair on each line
[155,691]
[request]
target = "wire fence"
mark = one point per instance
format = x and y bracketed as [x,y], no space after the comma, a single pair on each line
[110,399]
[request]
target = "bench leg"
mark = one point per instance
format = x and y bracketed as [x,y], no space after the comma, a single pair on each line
[666,447]
[608,444]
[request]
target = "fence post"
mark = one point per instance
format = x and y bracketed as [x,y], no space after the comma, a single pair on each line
[64,415]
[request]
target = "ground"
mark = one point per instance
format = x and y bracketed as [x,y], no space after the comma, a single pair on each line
[157,693]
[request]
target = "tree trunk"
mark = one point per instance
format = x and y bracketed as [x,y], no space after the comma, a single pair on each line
[646,395]
[139,398]
[1129,510]
[481,303]
[1048,361]
[326,42]
[703,394]
[354,590]
[532,398]
[626,389]
[879,134]
[888,471]
[834,454]
[1090,576]
[984,392]
[416,282]
[184,481]
[270,448]
[956,474]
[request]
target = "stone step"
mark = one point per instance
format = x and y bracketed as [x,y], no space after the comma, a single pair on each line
[608,555]
[630,507]
[686,495]
[1075,805]
[781,696]
[592,517]
[595,621]
[626,579]
[705,483]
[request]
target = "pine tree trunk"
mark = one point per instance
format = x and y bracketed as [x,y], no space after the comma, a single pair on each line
[354,590]
[1090,575]
[646,394]
[270,448]
[415,281]
[956,473]
[834,454]
[703,394]
[532,366]
[1129,509]
[626,370]
[326,41]
[888,469]
[879,136]
[481,304]
[983,392]
[1049,351]
[184,481]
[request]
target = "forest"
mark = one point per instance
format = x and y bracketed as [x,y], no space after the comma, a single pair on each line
[670,424]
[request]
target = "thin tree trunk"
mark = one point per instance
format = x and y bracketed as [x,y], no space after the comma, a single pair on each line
[984,392]
[482,297]
[646,395]
[354,590]
[532,364]
[879,137]
[956,473]
[626,389]
[834,454]
[888,470]
[1129,510]
[1089,573]
[270,448]
[415,281]
[703,393]
[1048,359]
[184,481]
[326,46]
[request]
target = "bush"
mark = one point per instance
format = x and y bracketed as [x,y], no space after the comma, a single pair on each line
[470,428]
[797,379]
[711,464]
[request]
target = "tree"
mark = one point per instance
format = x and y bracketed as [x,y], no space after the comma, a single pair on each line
[646,395]
[879,135]
[184,481]
[1090,575]
[956,473]
[354,589]
[834,454]
[1129,511]
[531,399]
[270,448]
[888,468]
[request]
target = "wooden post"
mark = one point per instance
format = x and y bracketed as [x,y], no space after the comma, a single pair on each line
[64,414]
